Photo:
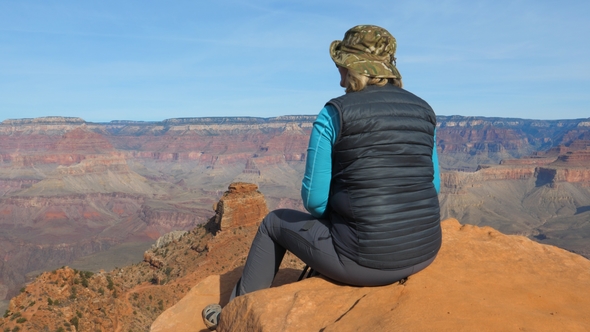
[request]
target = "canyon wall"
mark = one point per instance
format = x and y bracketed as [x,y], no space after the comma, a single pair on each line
[466,142]
[545,198]
[69,188]
[67,181]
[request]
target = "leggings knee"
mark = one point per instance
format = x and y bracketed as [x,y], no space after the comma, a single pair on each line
[267,223]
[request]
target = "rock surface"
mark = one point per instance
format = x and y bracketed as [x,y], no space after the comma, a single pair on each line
[186,314]
[481,279]
[242,205]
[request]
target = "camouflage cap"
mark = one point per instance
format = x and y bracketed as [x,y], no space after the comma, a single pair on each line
[368,50]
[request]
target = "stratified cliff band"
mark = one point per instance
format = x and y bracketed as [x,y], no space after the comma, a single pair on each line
[70,188]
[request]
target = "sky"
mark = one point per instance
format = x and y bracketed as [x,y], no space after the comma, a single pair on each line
[155,60]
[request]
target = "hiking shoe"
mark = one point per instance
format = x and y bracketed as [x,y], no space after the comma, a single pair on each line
[211,316]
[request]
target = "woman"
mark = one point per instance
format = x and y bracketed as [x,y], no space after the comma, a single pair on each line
[371,181]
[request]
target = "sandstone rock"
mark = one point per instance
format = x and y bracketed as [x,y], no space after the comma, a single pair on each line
[242,205]
[152,259]
[562,174]
[241,187]
[186,314]
[481,279]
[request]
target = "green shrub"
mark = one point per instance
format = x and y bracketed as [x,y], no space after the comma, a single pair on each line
[110,284]
[74,321]
[73,294]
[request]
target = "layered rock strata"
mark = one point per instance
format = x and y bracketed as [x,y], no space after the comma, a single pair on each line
[241,205]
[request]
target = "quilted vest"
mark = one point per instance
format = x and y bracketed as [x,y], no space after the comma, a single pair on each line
[383,205]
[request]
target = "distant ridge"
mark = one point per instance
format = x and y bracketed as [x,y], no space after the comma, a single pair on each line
[480,121]
[46,119]
[444,121]
[171,121]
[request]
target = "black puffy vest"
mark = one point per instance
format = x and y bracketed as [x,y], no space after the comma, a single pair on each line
[383,205]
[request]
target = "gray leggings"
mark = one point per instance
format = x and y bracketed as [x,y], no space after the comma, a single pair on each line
[310,240]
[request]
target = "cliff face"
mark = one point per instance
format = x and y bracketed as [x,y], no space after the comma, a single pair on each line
[545,196]
[466,142]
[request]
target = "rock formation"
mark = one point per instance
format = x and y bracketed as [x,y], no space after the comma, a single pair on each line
[481,279]
[241,205]
[545,196]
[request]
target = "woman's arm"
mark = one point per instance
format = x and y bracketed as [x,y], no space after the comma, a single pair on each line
[315,187]
[436,179]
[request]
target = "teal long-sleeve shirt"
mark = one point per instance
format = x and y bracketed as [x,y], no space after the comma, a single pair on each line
[315,187]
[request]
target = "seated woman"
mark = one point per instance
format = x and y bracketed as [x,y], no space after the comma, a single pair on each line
[371,181]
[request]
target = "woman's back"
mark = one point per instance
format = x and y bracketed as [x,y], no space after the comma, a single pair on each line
[383,204]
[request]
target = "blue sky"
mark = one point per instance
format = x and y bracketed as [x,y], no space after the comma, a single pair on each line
[153,60]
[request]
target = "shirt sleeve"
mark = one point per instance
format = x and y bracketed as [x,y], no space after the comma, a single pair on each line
[436,179]
[315,187]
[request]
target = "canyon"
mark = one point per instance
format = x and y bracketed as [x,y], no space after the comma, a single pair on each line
[466,287]
[70,188]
